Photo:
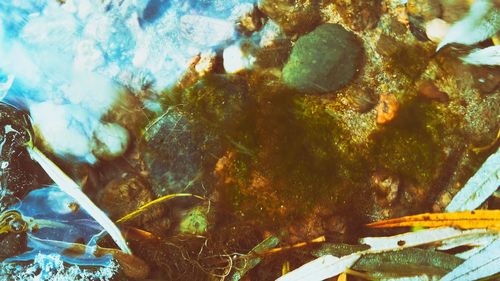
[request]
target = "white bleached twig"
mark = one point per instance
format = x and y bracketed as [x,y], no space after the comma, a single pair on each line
[67,185]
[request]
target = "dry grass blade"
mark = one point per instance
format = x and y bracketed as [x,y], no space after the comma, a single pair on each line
[146,206]
[413,239]
[483,264]
[479,187]
[67,185]
[321,268]
[465,220]
[252,259]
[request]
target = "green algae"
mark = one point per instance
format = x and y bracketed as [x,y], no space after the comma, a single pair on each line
[410,60]
[291,155]
[195,222]
[411,145]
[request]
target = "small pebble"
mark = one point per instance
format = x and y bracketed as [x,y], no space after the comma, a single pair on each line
[424,9]
[124,195]
[436,29]
[360,15]
[428,90]
[387,108]
[248,18]
[362,99]
[386,186]
[110,141]
[236,60]
[387,46]
[293,16]
[486,79]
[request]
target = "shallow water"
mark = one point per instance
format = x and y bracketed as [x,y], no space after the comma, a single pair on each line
[294,124]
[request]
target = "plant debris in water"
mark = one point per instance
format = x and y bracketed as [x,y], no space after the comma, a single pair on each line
[249,140]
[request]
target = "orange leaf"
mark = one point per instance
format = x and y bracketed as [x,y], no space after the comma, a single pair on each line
[465,220]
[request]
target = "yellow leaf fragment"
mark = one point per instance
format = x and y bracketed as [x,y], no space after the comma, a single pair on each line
[285,268]
[488,146]
[342,277]
[489,219]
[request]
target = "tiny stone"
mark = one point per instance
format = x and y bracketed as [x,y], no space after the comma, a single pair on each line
[436,29]
[294,16]
[362,99]
[195,221]
[360,14]
[424,9]
[386,45]
[110,141]
[486,79]
[124,195]
[387,108]
[386,186]
[249,19]
[428,90]
[172,154]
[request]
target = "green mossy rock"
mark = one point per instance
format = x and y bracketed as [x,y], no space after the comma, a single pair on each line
[324,60]
[195,222]
[172,154]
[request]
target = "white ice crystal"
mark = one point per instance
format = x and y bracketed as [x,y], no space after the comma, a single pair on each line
[52,268]
[68,54]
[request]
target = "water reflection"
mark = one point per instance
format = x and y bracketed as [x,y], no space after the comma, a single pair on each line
[54,223]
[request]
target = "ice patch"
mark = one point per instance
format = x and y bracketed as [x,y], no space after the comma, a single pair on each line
[51,267]
[71,55]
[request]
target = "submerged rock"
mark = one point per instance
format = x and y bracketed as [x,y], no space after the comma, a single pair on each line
[359,14]
[424,9]
[402,58]
[295,16]
[387,108]
[18,173]
[12,244]
[429,90]
[195,221]
[324,60]
[110,141]
[172,154]
[124,195]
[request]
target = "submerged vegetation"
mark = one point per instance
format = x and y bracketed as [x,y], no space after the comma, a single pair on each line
[304,140]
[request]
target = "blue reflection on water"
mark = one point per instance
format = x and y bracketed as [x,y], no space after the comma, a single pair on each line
[56,223]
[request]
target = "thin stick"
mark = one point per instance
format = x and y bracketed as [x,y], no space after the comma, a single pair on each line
[154,202]
[67,185]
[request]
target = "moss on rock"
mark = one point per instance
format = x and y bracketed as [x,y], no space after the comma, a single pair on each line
[324,60]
